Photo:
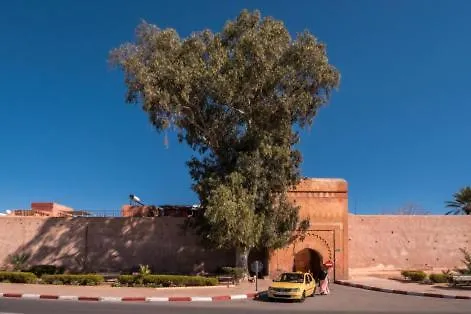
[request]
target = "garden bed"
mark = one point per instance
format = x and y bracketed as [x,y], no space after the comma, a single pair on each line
[60,279]
[156,281]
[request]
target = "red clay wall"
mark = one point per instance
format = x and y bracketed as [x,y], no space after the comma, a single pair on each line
[109,244]
[391,242]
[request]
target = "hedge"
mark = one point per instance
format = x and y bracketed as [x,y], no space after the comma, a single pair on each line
[414,275]
[17,277]
[40,270]
[166,280]
[439,278]
[82,280]
[127,280]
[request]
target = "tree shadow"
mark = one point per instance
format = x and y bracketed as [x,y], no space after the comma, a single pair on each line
[451,288]
[114,244]
[406,281]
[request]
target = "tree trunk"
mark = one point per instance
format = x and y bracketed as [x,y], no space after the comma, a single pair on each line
[242,259]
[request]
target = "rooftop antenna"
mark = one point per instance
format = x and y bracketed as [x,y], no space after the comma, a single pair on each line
[134,200]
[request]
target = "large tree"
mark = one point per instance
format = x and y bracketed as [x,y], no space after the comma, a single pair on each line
[461,204]
[235,97]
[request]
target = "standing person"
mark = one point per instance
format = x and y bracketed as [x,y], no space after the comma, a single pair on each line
[324,280]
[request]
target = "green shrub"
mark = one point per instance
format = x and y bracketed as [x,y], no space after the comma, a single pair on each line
[82,280]
[40,270]
[405,273]
[236,272]
[466,261]
[167,281]
[127,280]
[439,278]
[414,275]
[17,277]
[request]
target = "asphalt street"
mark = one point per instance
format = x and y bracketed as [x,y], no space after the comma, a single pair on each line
[342,300]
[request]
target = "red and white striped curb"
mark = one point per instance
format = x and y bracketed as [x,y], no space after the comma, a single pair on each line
[129,299]
[420,294]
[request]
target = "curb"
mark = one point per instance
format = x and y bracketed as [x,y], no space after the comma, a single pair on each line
[129,299]
[403,292]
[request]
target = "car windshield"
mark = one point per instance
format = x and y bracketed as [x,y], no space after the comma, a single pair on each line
[298,278]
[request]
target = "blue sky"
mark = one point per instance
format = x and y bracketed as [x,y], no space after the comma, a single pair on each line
[398,129]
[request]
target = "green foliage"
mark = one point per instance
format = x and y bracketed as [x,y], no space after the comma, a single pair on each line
[461,205]
[405,273]
[40,270]
[17,277]
[230,215]
[236,272]
[414,275]
[19,261]
[144,270]
[127,280]
[466,261]
[235,98]
[439,278]
[82,280]
[166,281]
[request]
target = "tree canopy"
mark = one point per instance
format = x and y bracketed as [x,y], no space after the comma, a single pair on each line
[235,97]
[461,204]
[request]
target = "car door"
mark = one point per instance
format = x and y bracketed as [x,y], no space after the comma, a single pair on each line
[309,284]
[313,284]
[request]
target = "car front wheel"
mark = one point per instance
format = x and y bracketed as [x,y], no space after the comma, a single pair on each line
[303,297]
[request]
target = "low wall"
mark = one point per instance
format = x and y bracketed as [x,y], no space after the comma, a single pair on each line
[395,242]
[108,244]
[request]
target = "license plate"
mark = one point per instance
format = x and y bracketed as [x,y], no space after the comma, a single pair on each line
[283,293]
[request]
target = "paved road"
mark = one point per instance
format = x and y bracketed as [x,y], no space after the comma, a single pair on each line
[342,300]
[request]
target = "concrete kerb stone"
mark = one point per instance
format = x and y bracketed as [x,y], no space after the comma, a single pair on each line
[403,292]
[129,299]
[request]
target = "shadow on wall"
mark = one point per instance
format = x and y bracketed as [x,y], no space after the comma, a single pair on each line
[111,244]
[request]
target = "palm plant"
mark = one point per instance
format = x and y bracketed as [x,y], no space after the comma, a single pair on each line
[144,270]
[19,261]
[461,205]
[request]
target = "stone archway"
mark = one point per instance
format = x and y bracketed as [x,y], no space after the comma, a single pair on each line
[308,260]
[325,203]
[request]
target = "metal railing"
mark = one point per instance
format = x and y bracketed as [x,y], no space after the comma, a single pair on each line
[99,213]
[94,213]
[65,214]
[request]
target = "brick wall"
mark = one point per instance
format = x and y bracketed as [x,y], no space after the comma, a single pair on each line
[389,242]
[50,209]
[108,244]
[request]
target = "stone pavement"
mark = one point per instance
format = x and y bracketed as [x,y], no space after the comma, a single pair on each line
[107,293]
[409,288]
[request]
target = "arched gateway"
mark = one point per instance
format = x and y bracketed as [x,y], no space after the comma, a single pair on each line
[325,202]
[308,260]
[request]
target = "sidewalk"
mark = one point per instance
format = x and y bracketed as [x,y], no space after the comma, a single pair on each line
[107,293]
[409,288]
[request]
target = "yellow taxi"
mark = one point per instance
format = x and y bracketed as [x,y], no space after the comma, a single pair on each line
[292,286]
